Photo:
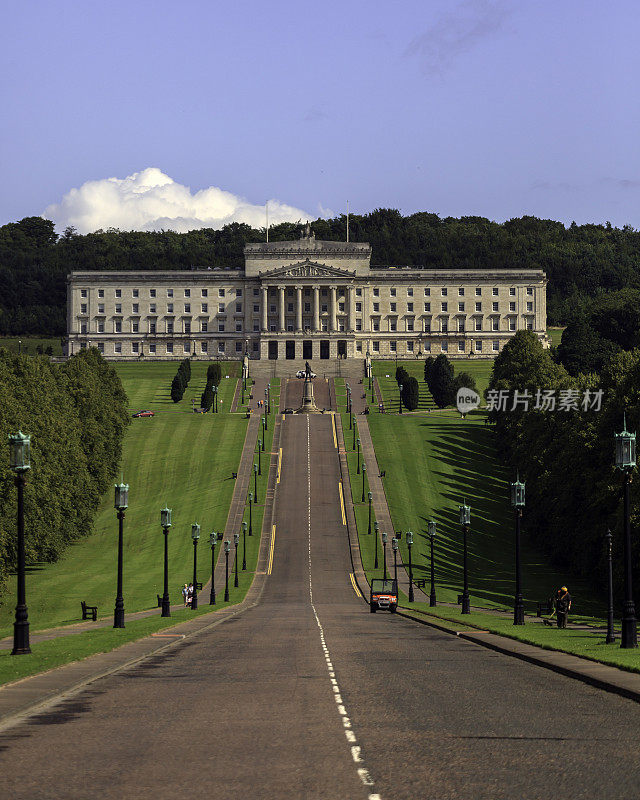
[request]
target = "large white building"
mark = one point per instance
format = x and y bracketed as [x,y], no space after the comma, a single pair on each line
[306,299]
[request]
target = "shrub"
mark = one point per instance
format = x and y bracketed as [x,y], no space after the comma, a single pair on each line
[441,383]
[410,393]
[214,374]
[428,366]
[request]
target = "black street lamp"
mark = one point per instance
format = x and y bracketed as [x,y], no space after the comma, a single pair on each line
[244,545]
[243,387]
[358,469]
[250,514]
[350,420]
[264,421]
[517,501]
[213,538]
[227,547]
[266,401]
[394,547]
[165,521]
[375,530]
[369,498]
[262,442]
[364,472]
[347,398]
[626,462]
[409,544]
[255,482]
[432,536]
[353,446]
[195,535]
[384,554]
[215,399]
[236,541]
[121,503]
[610,634]
[268,398]
[19,461]
[465,521]
[399,393]
[259,460]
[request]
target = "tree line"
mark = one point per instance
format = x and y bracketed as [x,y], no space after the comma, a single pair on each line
[580,260]
[76,414]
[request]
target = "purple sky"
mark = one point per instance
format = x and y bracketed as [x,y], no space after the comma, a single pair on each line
[490,108]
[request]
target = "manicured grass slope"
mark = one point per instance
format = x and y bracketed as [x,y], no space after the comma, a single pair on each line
[177,458]
[28,344]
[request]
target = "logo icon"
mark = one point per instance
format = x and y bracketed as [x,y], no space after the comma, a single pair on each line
[467,400]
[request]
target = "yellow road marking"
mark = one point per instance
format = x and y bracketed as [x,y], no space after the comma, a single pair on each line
[335,440]
[344,518]
[355,585]
[279,463]
[271,548]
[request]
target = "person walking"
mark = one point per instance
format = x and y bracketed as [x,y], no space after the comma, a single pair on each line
[563,606]
[185,594]
[189,595]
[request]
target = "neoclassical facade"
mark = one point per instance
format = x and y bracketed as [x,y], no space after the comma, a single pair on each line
[306,299]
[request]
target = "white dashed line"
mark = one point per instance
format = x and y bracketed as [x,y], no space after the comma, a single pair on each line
[363,773]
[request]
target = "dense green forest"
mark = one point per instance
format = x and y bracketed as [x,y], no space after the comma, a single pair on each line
[580,261]
[76,415]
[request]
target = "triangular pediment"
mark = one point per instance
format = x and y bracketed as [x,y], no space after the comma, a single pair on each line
[307,269]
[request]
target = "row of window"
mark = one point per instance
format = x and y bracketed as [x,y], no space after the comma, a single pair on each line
[154,292]
[135,308]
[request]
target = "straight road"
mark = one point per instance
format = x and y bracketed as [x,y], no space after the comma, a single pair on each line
[308,695]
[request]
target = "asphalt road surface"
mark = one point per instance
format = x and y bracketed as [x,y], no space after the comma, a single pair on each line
[308,695]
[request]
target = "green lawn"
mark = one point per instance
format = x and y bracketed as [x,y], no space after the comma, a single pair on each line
[29,344]
[555,334]
[177,458]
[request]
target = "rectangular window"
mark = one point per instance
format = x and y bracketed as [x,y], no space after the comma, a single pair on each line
[529,306]
[427,292]
[392,292]
[376,307]
[290,308]
[204,293]
[101,347]
[494,291]
[256,327]
[512,306]
[204,326]
[358,307]
[461,347]
[220,292]
[100,326]
[445,326]
[135,327]
[83,308]
[117,326]
[376,347]
[187,308]
[256,308]
[409,292]
[272,309]
[495,323]
[136,293]
[152,308]
[512,323]
[478,306]
[427,306]
[256,292]
[170,348]
[307,307]
[410,307]
[409,324]
[118,308]
[445,307]
[427,347]
[221,308]
[358,324]
[238,347]
[375,325]
[512,291]
[376,292]
[100,292]
[170,326]
[221,347]
[479,345]
[221,327]
[203,347]
[427,326]
[530,291]
[410,347]
[187,292]
[238,307]
[169,292]
[392,307]
[134,308]
[204,307]
[186,348]
[238,292]
[152,327]
[117,347]
[444,346]
[170,308]
[187,327]
[460,326]
[478,323]
[460,306]
[494,306]
[135,348]
[152,349]
[238,327]
[495,346]
[324,307]
[340,306]
[393,325]
[460,292]
[478,291]
[83,327]
[152,292]
[83,292]
[118,292]
[444,292]
[529,323]
[393,346]
[358,292]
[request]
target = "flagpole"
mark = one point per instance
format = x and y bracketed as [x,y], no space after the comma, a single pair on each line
[266,209]
[347,220]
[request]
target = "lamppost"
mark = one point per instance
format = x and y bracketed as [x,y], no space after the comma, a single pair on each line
[353,446]
[409,544]
[262,442]
[369,370]
[364,472]
[165,521]
[432,537]
[266,401]
[243,386]
[250,514]
[255,482]
[259,460]
[369,498]
[394,547]
[350,420]
[215,399]
[399,394]
[358,443]
[227,547]
[347,398]
[626,462]
[384,554]
[268,398]
[19,461]
[121,503]
[236,540]
[264,421]
[610,634]
[517,501]
[195,535]
[213,538]
[375,530]
[244,545]
[465,521]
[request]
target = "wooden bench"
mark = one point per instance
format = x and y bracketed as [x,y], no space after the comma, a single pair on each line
[89,612]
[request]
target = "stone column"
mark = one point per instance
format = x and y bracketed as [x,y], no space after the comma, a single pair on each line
[298,309]
[333,325]
[351,324]
[316,309]
[281,325]
[265,299]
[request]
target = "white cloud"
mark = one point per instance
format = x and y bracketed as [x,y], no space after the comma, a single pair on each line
[150,200]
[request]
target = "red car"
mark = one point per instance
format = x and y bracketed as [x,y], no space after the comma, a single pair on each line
[143,414]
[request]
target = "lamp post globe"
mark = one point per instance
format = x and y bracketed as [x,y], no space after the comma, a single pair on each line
[195,536]
[384,555]
[20,463]
[431,528]
[165,522]
[465,521]
[244,545]
[236,541]
[213,538]
[120,503]
[517,501]
[227,548]
[409,546]
[625,443]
